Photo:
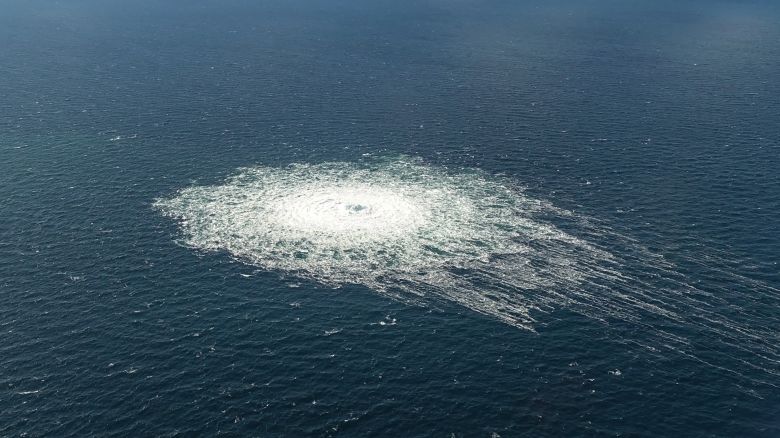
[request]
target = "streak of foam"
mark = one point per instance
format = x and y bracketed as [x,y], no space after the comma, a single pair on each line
[421,234]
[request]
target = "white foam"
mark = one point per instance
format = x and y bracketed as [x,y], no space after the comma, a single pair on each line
[399,227]
[422,234]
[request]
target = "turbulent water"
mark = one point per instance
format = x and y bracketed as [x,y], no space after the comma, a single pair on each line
[420,233]
[390,218]
[402,228]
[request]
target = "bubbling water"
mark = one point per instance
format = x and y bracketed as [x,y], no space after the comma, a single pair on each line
[356,211]
[423,234]
[400,227]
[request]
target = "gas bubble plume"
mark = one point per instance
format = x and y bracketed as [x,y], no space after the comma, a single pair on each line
[401,228]
[424,234]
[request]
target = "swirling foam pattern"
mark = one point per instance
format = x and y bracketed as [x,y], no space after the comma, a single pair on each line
[402,228]
[421,234]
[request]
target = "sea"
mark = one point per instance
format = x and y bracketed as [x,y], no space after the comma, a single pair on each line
[350,218]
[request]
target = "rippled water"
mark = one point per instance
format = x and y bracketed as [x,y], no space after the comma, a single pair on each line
[396,219]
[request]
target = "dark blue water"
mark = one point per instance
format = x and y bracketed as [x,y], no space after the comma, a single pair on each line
[657,119]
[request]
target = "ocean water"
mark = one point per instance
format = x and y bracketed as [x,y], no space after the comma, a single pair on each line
[432,218]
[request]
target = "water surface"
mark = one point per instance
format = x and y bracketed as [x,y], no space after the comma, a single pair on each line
[652,125]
